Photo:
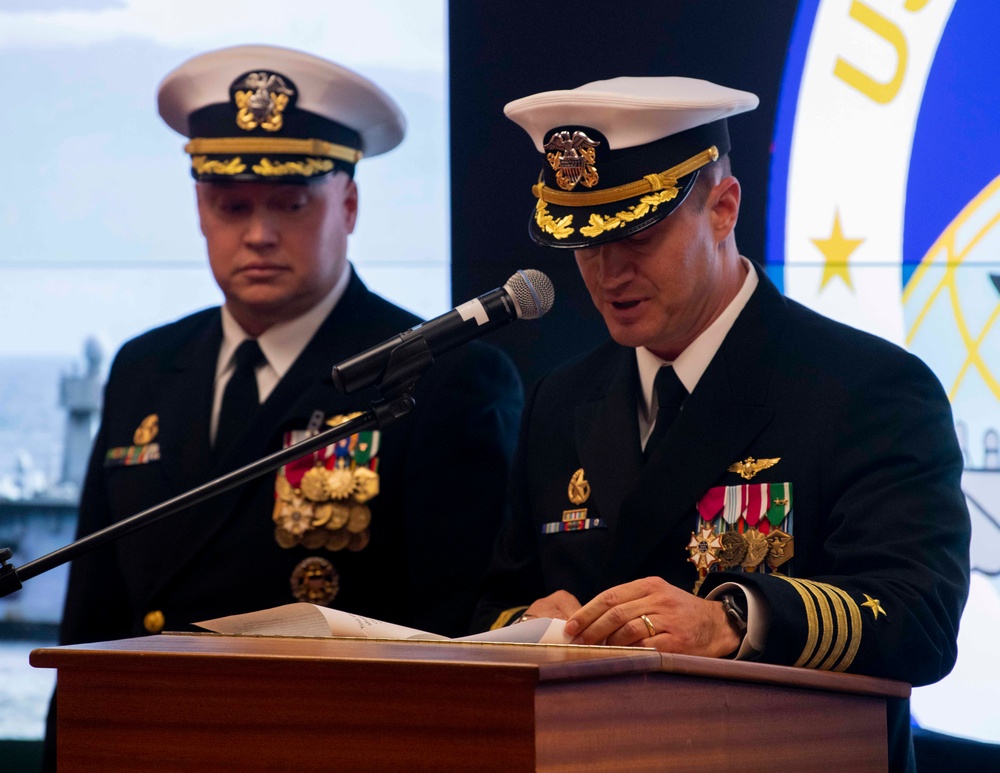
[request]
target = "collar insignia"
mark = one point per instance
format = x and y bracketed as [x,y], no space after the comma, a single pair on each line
[573,160]
[750,466]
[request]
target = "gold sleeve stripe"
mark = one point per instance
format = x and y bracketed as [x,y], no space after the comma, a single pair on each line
[505,617]
[822,596]
[812,634]
[838,608]
[855,612]
[280,145]
[648,184]
[826,621]
[848,633]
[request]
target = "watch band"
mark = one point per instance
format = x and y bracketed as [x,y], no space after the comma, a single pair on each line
[735,605]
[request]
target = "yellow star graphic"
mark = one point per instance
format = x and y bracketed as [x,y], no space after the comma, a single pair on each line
[836,250]
[874,605]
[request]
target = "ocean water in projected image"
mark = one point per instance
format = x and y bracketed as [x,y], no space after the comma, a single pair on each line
[895,112]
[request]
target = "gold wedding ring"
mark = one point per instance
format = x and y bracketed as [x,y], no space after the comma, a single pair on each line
[649,625]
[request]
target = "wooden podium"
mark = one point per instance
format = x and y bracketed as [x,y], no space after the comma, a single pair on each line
[205,702]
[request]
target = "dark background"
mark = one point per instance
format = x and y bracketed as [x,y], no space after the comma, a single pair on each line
[501,51]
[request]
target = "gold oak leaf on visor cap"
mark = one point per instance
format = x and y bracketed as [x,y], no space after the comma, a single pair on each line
[263,113]
[620,155]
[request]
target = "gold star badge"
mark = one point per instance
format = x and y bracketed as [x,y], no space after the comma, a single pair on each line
[874,605]
[579,488]
[750,466]
[147,430]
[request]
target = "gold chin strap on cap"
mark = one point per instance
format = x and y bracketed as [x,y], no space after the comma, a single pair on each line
[277,145]
[651,183]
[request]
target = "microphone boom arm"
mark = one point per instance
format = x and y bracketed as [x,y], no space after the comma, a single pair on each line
[407,363]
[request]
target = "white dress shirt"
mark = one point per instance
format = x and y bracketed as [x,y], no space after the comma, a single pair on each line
[281,344]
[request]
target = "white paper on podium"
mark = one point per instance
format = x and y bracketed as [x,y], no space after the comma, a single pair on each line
[311,620]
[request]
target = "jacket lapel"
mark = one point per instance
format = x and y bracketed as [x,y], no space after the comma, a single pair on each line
[726,412]
[608,447]
[185,407]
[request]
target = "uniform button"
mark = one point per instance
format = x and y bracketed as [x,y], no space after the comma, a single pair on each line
[153,621]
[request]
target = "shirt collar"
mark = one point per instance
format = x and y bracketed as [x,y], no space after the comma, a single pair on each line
[281,343]
[691,364]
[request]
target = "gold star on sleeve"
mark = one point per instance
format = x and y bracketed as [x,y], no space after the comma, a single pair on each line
[874,605]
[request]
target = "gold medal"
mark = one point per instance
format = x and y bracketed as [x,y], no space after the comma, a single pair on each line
[314,539]
[337,540]
[359,541]
[340,514]
[734,550]
[757,547]
[296,516]
[321,514]
[704,549]
[366,484]
[339,482]
[361,516]
[284,488]
[285,538]
[781,548]
[314,484]
[276,513]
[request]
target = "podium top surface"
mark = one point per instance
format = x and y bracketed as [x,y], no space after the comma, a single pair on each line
[538,662]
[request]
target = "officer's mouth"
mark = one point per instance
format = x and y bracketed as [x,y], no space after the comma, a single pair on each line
[262,270]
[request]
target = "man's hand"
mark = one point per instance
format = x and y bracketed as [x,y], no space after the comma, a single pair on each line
[681,622]
[560,605]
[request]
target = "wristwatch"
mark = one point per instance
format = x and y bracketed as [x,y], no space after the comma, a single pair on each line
[735,604]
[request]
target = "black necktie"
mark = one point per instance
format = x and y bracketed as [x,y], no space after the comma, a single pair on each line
[670,394]
[240,400]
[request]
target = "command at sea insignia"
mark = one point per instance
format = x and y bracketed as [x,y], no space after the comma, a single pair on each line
[743,528]
[142,450]
[575,519]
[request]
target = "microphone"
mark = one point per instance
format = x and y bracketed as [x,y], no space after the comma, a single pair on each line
[528,294]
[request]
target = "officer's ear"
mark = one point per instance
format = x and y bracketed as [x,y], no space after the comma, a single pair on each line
[350,204]
[724,207]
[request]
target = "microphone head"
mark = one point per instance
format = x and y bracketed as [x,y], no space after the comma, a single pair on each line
[532,293]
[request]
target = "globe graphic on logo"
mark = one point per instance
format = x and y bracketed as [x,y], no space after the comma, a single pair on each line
[951,308]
